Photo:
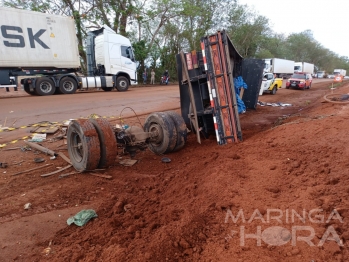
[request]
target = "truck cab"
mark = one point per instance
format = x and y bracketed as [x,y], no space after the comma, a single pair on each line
[114,53]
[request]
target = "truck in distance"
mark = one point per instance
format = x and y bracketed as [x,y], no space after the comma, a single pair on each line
[304,67]
[281,67]
[42,49]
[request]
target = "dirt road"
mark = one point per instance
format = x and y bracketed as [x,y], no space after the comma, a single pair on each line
[288,179]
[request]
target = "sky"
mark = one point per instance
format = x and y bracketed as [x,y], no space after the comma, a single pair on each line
[328,20]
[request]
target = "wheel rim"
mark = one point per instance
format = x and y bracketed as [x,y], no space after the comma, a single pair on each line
[123,84]
[46,87]
[68,86]
[77,147]
[156,129]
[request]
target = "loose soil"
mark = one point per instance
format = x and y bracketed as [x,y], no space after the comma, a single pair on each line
[292,159]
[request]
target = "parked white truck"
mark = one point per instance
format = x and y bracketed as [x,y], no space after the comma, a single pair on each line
[340,72]
[43,49]
[281,67]
[304,67]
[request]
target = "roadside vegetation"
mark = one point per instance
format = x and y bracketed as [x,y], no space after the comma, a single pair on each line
[159,29]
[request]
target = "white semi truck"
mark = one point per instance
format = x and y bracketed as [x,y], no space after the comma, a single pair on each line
[42,49]
[281,67]
[304,67]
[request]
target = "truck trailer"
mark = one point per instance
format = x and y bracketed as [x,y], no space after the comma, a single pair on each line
[281,67]
[42,49]
[304,67]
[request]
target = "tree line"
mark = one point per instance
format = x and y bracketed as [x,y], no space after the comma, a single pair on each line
[160,29]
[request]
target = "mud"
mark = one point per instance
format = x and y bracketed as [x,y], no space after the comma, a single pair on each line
[292,158]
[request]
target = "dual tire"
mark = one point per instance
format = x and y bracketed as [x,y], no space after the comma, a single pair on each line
[169,132]
[91,144]
[44,86]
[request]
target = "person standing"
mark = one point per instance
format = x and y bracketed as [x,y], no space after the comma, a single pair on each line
[152,77]
[145,76]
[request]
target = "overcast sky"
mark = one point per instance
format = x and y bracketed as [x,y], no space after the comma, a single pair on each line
[328,20]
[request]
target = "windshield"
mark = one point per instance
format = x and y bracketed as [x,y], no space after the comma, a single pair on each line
[320,72]
[297,68]
[298,76]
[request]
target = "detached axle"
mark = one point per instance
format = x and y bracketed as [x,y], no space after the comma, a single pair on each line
[93,143]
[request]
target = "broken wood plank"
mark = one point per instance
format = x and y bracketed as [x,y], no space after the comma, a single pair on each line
[65,157]
[41,148]
[32,169]
[100,175]
[57,171]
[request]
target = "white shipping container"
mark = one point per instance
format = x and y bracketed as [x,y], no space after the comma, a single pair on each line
[308,68]
[282,66]
[36,40]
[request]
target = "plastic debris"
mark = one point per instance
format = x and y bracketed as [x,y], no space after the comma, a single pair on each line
[82,217]
[165,160]
[27,206]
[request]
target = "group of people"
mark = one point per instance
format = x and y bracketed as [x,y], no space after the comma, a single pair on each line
[152,76]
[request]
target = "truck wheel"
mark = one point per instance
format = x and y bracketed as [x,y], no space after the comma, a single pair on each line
[44,86]
[274,90]
[122,84]
[67,85]
[107,89]
[181,129]
[83,145]
[107,142]
[164,132]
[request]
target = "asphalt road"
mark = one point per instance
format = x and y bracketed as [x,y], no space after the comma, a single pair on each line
[19,109]
[22,109]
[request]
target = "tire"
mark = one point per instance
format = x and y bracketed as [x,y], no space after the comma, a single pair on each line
[44,86]
[107,89]
[181,129]
[107,140]
[122,84]
[83,145]
[28,91]
[166,140]
[67,85]
[274,90]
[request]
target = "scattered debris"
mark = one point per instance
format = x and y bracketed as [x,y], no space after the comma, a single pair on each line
[27,206]
[18,162]
[128,162]
[26,148]
[82,217]
[32,169]
[41,148]
[57,171]
[65,158]
[45,130]
[3,165]
[260,103]
[39,160]
[48,250]
[127,207]
[101,175]
[11,148]
[53,157]
[67,174]
[165,160]
[38,138]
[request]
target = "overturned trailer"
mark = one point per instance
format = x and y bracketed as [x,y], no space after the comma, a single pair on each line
[208,96]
